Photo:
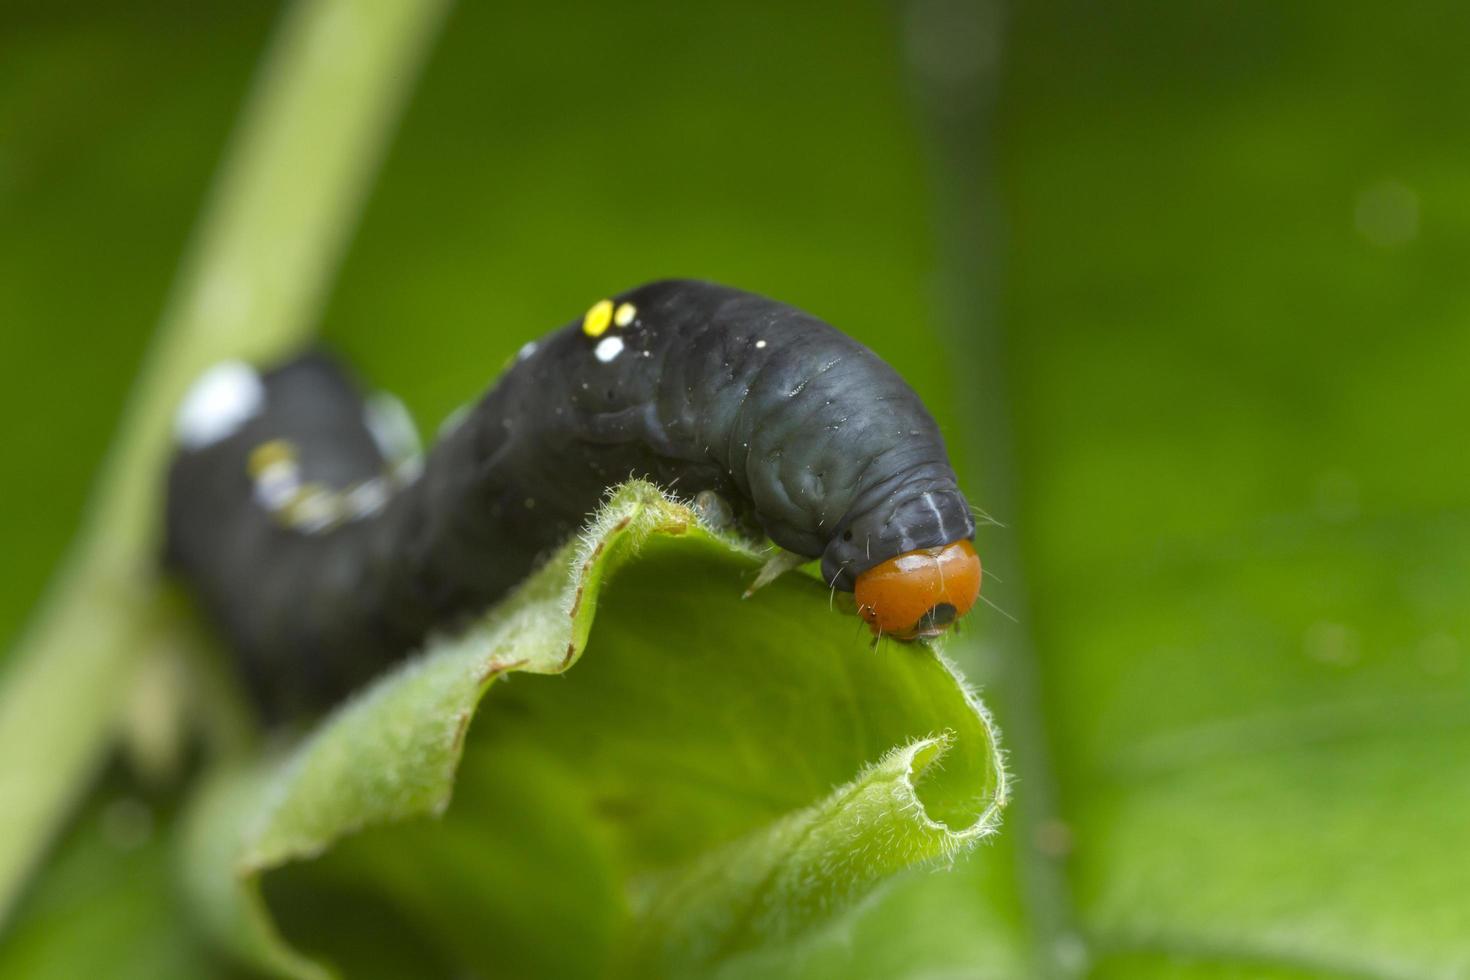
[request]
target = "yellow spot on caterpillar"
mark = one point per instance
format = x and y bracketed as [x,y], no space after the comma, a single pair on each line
[625,314]
[597,319]
[314,509]
[269,454]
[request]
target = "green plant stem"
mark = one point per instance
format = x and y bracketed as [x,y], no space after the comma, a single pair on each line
[954,52]
[251,286]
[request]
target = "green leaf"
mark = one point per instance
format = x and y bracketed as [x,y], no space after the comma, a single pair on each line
[106,906]
[719,778]
[1235,360]
[1238,515]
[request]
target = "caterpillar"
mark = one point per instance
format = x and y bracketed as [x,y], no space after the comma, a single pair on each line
[325,548]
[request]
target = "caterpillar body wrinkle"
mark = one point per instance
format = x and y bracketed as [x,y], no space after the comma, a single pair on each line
[325,553]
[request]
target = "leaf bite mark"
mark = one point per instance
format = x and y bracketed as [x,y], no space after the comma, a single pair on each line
[394,753]
[779,880]
[462,727]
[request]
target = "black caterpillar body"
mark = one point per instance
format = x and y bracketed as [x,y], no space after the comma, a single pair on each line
[321,565]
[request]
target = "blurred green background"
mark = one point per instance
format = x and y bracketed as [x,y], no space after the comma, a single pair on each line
[1184,284]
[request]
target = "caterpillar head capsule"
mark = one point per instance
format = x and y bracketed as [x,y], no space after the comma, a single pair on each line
[920,593]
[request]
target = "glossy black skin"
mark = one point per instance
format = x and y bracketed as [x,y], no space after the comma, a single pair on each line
[810,436]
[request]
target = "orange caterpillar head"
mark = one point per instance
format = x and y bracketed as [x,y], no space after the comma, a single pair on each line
[919,593]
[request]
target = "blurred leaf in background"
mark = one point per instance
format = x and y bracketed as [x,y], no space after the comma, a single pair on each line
[1240,356]
[1205,262]
[112,121]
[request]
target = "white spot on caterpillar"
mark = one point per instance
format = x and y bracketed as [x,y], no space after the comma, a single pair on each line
[608,348]
[366,499]
[223,399]
[625,314]
[392,428]
[760,345]
[277,484]
[409,470]
[527,349]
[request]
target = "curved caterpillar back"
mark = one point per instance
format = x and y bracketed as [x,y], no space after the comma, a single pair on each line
[324,554]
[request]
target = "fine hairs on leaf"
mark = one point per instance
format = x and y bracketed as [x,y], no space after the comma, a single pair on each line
[716,820]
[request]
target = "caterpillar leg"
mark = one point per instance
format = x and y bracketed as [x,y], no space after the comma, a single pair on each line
[777,565]
[715,511]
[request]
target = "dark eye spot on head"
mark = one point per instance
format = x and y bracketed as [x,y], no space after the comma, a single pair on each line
[847,535]
[941,615]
